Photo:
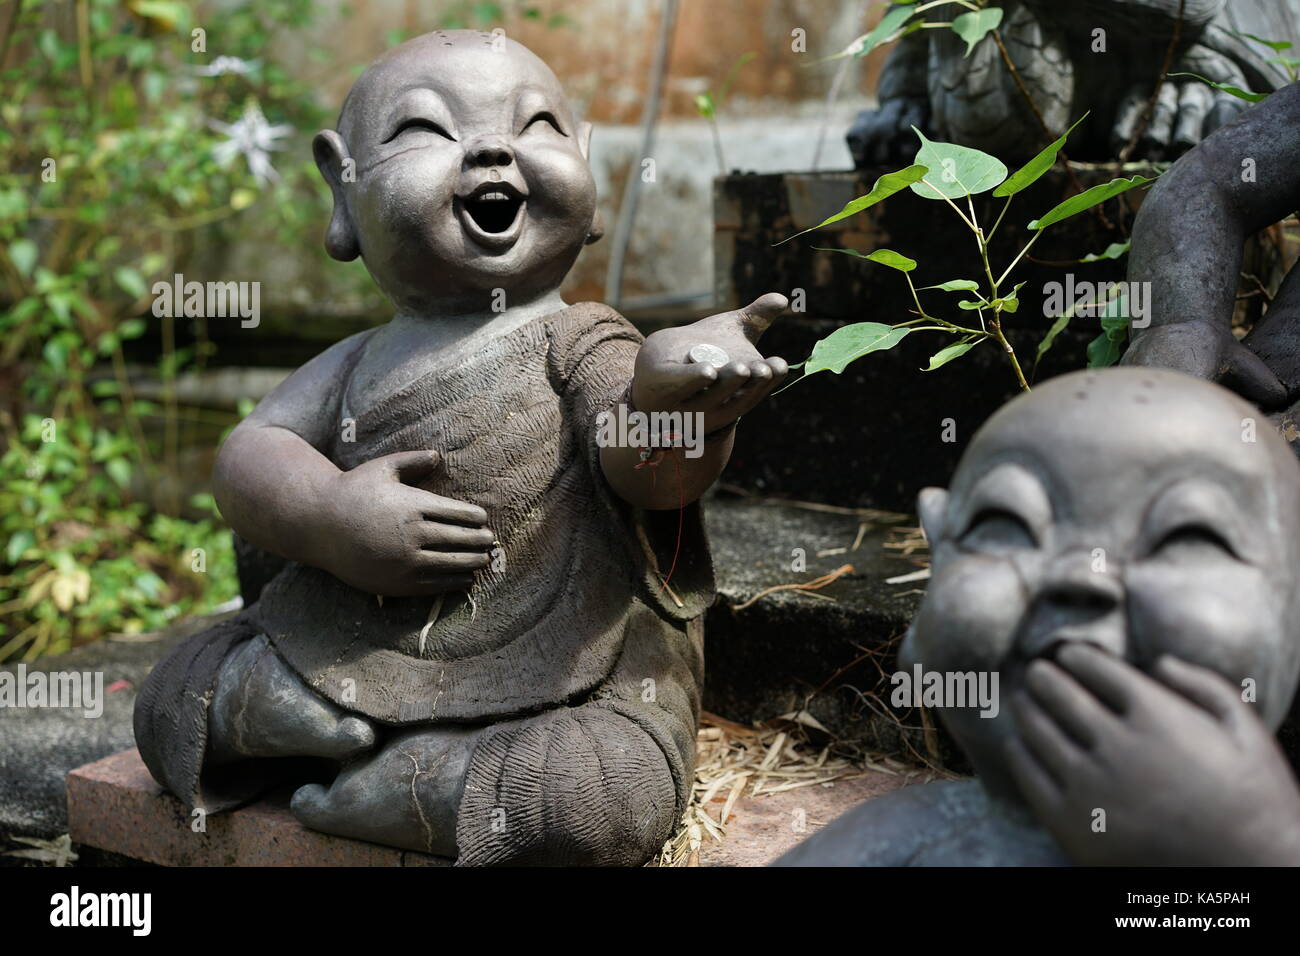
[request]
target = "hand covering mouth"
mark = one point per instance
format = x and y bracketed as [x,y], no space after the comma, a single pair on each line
[493,211]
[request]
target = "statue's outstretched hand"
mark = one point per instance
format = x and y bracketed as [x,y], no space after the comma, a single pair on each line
[1173,769]
[1210,352]
[383,535]
[711,366]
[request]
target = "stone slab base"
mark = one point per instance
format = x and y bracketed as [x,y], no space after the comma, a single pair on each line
[115,805]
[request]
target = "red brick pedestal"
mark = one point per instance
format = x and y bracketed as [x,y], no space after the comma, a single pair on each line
[115,805]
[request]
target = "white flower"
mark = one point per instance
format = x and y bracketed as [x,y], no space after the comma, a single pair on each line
[253,137]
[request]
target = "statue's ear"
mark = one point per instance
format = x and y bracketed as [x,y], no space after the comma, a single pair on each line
[597,221]
[932,509]
[337,167]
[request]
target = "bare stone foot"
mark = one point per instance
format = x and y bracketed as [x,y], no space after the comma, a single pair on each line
[405,795]
[261,708]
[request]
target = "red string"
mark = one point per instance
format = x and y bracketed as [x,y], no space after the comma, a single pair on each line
[648,460]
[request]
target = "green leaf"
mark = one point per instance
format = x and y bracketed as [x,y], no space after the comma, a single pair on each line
[704,105]
[885,187]
[1033,170]
[953,285]
[131,329]
[1087,199]
[23,254]
[56,354]
[1050,338]
[886,257]
[974,26]
[19,542]
[1239,93]
[119,470]
[889,24]
[1010,303]
[850,343]
[971,305]
[959,170]
[1276,45]
[1103,351]
[944,356]
[1057,328]
[1115,250]
[1106,348]
[131,282]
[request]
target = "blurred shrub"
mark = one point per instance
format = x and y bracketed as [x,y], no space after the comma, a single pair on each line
[123,132]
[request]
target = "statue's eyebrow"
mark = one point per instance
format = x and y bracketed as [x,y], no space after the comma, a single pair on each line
[1201,500]
[533,99]
[1007,487]
[416,100]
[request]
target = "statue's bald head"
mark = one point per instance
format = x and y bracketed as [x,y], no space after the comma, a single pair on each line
[458,169]
[454,59]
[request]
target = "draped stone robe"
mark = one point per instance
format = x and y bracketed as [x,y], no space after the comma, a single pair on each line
[573,613]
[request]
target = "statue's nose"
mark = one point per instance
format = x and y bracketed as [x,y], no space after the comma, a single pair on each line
[1079,599]
[490,152]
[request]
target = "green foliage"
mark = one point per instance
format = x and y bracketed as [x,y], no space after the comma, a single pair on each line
[1037,167]
[886,257]
[955,171]
[966,172]
[1236,91]
[974,26]
[112,163]
[907,16]
[850,343]
[1290,64]
[885,187]
[1087,199]
[707,104]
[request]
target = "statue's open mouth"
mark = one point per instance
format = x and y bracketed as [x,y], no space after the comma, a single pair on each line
[493,214]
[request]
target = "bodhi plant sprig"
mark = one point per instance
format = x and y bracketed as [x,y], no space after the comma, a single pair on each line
[907,16]
[945,172]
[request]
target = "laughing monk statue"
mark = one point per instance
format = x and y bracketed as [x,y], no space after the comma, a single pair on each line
[487,641]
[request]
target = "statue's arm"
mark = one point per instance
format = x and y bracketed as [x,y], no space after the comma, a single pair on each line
[663,381]
[1187,241]
[271,478]
[1187,246]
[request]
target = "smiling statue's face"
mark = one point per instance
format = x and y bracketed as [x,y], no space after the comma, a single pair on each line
[471,172]
[1137,509]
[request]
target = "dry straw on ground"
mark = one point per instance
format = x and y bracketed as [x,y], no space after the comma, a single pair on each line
[746,762]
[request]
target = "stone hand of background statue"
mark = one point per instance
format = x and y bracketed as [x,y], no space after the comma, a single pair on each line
[1185,772]
[710,366]
[383,535]
[1209,351]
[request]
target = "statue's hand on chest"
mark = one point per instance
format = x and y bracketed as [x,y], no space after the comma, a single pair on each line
[388,536]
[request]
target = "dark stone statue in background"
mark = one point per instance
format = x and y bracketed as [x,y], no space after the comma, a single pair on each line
[1069,68]
[487,641]
[1187,243]
[1120,548]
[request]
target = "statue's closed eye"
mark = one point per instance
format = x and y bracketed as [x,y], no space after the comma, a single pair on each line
[545,117]
[995,529]
[417,122]
[1193,540]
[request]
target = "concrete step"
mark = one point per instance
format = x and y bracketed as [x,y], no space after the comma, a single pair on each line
[829,651]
